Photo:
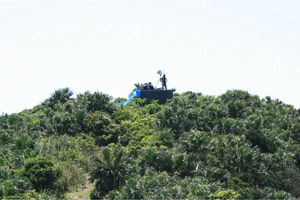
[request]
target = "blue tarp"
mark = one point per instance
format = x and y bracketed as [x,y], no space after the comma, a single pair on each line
[137,94]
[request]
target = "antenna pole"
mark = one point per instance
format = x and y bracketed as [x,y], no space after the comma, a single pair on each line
[157,83]
[160,74]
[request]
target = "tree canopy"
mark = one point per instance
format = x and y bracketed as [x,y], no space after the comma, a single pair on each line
[232,146]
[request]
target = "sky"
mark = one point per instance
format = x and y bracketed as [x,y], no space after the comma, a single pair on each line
[207,46]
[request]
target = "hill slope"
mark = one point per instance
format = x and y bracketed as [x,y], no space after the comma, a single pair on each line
[232,146]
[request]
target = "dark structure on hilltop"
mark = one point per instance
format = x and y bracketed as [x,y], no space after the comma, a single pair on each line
[160,95]
[149,95]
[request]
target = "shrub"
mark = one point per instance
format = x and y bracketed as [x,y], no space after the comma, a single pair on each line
[85,143]
[59,96]
[243,188]
[180,164]
[194,141]
[102,127]
[121,115]
[154,185]
[153,107]
[29,195]
[14,186]
[93,102]
[270,193]
[41,173]
[225,194]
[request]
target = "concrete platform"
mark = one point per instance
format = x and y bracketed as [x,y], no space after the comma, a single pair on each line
[160,95]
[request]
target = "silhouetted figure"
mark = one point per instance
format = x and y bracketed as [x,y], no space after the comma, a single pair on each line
[164,82]
[151,86]
[145,86]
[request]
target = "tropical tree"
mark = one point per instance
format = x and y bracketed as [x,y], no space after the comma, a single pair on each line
[109,171]
[59,96]
[137,86]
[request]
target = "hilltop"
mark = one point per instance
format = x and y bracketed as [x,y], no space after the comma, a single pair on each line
[234,146]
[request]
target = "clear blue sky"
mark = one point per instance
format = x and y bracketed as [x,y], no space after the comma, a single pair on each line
[108,45]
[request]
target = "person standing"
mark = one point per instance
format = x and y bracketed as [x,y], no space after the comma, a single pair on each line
[164,82]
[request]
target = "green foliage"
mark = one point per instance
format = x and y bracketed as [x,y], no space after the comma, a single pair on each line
[243,188]
[121,115]
[102,127]
[225,194]
[95,102]
[153,107]
[63,123]
[194,141]
[233,146]
[237,102]
[137,86]
[60,96]
[132,132]
[72,176]
[247,161]
[14,121]
[3,121]
[270,193]
[179,164]
[72,150]
[155,185]
[85,143]
[282,173]
[41,172]
[191,111]
[109,171]
[14,186]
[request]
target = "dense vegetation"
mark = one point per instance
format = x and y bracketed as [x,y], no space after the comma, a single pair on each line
[234,146]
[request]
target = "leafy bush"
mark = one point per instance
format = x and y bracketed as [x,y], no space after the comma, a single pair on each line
[101,126]
[60,96]
[225,194]
[155,185]
[121,115]
[5,137]
[28,195]
[281,173]
[95,102]
[180,164]
[85,143]
[41,173]
[133,131]
[243,188]
[153,107]
[194,141]
[14,185]
[14,121]
[270,193]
